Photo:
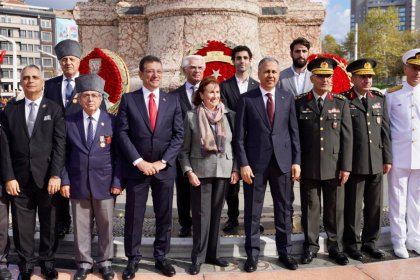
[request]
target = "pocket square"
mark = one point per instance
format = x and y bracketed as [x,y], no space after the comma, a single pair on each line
[47,118]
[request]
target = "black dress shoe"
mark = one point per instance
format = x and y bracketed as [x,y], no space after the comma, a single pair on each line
[25,274]
[355,255]
[288,261]
[130,270]
[63,231]
[5,274]
[338,257]
[261,228]
[308,256]
[231,225]
[195,268]
[81,273]
[184,232]
[251,264]
[49,272]
[218,262]
[373,252]
[107,273]
[165,267]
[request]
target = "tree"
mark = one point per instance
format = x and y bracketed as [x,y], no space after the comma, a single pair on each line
[330,45]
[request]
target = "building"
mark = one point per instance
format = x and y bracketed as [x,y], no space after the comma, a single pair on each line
[408,11]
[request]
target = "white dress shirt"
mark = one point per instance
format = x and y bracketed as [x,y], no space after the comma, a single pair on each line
[299,79]
[64,85]
[265,97]
[95,120]
[242,85]
[190,92]
[28,107]
[146,94]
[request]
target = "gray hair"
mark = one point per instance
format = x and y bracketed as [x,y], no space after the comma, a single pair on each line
[267,59]
[186,60]
[30,66]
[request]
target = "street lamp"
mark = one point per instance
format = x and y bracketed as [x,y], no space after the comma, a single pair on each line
[15,78]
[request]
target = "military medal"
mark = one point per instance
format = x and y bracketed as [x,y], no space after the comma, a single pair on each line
[75,99]
[334,124]
[108,139]
[102,141]
[378,120]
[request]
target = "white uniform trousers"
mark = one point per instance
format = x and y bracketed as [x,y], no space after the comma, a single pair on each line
[404,206]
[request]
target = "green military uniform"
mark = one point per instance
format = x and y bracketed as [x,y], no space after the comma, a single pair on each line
[372,149]
[326,145]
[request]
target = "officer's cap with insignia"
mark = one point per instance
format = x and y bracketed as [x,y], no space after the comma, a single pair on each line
[363,66]
[68,48]
[322,66]
[90,82]
[412,57]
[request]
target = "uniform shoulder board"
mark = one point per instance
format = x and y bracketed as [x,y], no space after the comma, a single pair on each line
[339,96]
[301,95]
[393,89]
[377,93]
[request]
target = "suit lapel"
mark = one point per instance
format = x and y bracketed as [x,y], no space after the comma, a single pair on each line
[252,84]
[261,108]
[313,105]
[21,116]
[40,115]
[358,103]
[99,131]
[292,84]
[163,108]
[184,98]
[141,105]
[279,103]
[328,104]
[235,89]
[81,128]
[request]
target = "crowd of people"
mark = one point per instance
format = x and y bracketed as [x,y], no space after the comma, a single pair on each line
[60,145]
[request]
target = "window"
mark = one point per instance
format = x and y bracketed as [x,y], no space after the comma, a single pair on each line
[22,34]
[6,46]
[23,47]
[30,60]
[46,36]
[8,60]
[24,61]
[47,49]
[29,34]
[30,48]
[45,23]
[38,61]
[36,34]
[6,32]
[47,62]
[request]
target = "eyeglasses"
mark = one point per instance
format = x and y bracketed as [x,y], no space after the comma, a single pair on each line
[91,96]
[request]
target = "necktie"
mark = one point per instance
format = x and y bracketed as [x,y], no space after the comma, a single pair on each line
[193,90]
[320,104]
[152,111]
[89,138]
[31,118]
[69,90]
[364,101]
[270,108]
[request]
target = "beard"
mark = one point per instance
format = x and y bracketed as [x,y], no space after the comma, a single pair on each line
[299,62]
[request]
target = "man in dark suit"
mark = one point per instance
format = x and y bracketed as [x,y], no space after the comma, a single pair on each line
[326,141]
[193,67]
[150,134]
[231,90]
[91,177]
[267,149]
[372,158]
[297,78]
[4,223]
[32,164]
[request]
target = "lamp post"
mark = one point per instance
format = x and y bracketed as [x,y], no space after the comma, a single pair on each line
[15,78]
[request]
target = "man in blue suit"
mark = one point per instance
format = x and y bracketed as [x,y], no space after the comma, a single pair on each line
[91,176]
[267,149]
[150,135]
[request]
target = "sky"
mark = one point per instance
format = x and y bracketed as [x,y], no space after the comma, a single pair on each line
[337,21]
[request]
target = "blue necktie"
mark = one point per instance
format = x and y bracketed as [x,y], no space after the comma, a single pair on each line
[89,138]
[69,90]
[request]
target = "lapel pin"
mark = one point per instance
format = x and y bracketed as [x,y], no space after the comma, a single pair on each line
[44,105]
[164,99]
[102,124]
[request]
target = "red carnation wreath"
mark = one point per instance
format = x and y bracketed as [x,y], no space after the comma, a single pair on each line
[341,79]
[217,57]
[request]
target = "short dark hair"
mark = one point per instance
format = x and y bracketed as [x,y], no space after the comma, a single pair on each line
[300,41]
[148,59]
[210,80]
[240,49]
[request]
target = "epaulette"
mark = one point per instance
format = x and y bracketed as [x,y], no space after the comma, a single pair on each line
[393,89]
[339,96]
[377,93]
[301,95]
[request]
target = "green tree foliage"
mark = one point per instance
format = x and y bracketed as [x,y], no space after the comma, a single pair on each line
[330,45]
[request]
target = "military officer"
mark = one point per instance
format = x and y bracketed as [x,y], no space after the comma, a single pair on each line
[404,179]
[371,159]
[326,143]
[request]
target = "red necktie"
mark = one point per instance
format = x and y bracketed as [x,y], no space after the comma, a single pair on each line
[152,111]
[270,108]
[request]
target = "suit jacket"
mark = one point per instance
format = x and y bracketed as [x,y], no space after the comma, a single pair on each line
[256,141]
[136,138]
[3,141]
[91,172]
[181,93]
[230,91]
[211,165]
[326,137]
[371,136]
[52,91]
[287,81]
[42,155]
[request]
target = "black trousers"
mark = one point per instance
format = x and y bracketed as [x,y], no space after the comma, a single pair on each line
[135,207]
[24,208]
[183,198]
[362,190]
[63,213]
[4,228]
[232,201]
[207,203]
[280,186]
[333,220]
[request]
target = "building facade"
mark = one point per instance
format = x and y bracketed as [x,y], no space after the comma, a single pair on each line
[408,12]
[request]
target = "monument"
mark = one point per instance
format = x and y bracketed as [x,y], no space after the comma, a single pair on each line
[170,29]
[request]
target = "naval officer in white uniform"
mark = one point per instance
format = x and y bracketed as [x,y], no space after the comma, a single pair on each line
[404,179]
